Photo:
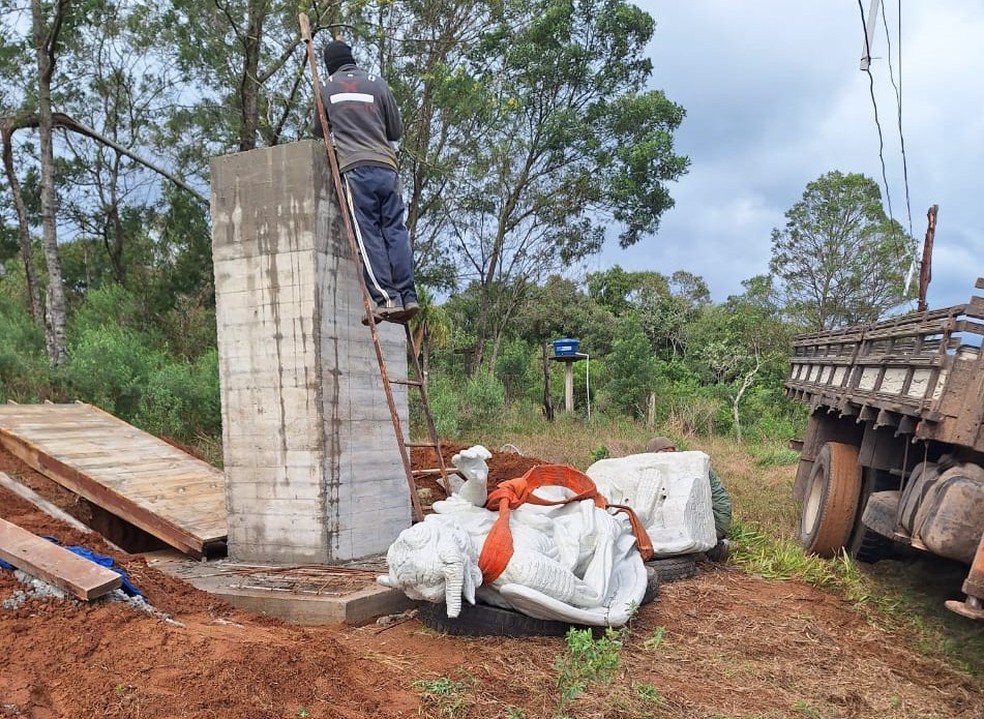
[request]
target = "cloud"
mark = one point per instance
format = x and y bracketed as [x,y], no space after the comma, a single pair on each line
[775,98]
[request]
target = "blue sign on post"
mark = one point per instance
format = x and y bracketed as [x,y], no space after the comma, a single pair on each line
[566,347]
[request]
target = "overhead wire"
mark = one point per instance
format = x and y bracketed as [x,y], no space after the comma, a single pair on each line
[881,138]
[898,98]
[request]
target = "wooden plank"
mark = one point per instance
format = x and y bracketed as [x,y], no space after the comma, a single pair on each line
[55,565]
[187,522]
[28,494]
[979,284]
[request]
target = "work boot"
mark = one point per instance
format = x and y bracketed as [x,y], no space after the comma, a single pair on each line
[410,310]
[377,315]
[401,314]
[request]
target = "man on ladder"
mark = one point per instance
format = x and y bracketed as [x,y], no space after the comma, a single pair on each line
[364,121]
[359,112]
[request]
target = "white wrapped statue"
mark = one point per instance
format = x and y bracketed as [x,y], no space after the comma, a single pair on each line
[551,549]
[669,491]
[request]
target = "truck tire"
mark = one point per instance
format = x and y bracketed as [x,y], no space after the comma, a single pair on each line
[864,544]
[831,500]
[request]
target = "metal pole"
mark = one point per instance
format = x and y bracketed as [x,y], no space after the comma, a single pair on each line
[926,266]
[587,383]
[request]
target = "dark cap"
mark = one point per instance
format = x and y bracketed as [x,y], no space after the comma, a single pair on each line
[660,444]
[336,55]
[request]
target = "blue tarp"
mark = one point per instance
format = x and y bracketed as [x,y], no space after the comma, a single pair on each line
[101,559]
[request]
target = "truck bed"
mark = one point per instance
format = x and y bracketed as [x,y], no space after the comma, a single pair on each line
[922,373]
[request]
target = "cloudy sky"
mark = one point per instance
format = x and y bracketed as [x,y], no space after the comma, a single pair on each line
[775,98]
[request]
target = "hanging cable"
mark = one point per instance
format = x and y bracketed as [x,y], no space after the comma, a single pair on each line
[881,139]
[898,98]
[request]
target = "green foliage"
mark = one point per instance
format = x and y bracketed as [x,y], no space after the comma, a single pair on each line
[110,304]
[188,328]
[125,371]
[632,372]
[840,259]
[588,660]
[559,308]
[482,400]
[443,400]
[516,368]
[600,452]
[655,640]
[772,455]
[23,366]
[181,400]
[447,697]
[764,555]
[109,366]
[648,693]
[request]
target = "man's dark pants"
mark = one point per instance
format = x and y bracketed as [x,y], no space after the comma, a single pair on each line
[381,233]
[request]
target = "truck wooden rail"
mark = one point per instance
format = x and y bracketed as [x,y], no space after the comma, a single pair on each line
[894,449]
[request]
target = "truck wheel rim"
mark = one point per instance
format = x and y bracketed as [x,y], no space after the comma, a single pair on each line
[811,509]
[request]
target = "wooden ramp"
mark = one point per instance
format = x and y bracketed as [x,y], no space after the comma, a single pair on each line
[166,492]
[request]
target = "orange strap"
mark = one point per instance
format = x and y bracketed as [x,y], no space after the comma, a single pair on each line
[498,547]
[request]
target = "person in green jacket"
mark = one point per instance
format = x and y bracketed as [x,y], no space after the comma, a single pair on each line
[720,499]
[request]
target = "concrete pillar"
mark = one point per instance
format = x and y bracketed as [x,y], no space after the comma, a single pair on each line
[313,471]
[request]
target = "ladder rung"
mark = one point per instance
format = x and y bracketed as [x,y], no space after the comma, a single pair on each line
[408,382]
[417,445]
[424,472]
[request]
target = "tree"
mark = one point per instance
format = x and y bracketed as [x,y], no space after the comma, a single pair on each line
[46,40]
[573,145]
[619,291]
[431,70]
[558,308]
[431,328]
[839,259]
[740,343]
[632,369]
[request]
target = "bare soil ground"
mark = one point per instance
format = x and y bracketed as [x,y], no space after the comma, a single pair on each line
[722,644]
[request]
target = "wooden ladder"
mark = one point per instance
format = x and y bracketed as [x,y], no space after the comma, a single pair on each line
[418,376]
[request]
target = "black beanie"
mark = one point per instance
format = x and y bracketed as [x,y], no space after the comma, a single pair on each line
[336,54]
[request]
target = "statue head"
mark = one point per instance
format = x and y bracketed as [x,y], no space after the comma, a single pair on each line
[434,561]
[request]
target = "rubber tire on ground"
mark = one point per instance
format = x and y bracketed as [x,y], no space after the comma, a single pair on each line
[831,500]
[652,586]
[864,544]
[483,620]
[670,569]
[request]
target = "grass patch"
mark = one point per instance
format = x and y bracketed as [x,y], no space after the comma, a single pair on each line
[588,660]
[446,697]
[655,640]
[772,455]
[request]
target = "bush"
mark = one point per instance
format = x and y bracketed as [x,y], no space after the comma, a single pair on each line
[515,368]
[23,364]
[482,401]
[631,370]
[181,400]
[444,407]
[110,304]
[109,367]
